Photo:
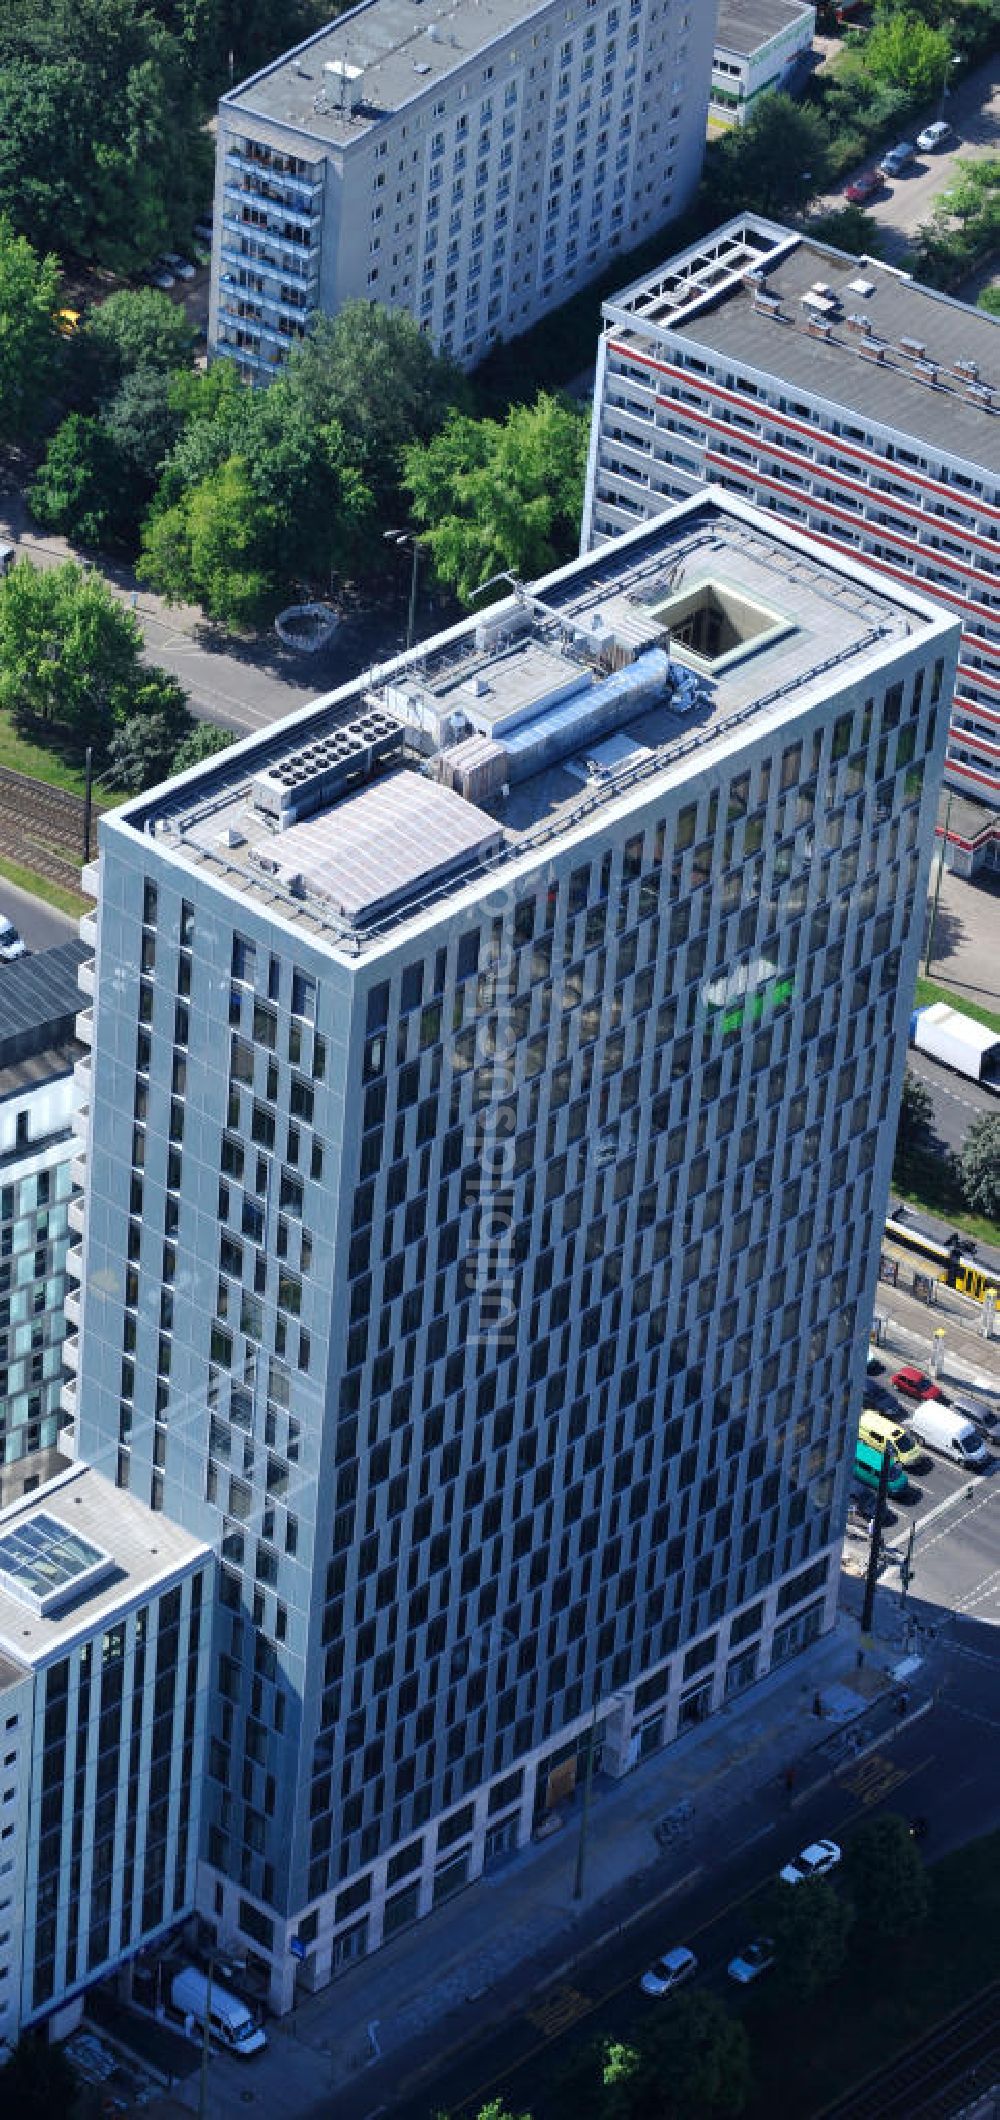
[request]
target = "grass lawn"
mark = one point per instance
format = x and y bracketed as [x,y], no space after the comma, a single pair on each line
[889,1995]
[40,887]
[975,1226]
[928,991]
[19,755]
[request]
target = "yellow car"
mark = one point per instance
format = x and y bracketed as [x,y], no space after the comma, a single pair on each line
[877,1431]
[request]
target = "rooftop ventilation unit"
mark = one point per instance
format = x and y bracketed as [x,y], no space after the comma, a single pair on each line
[969,369]
[855,322]
[309,779]
[914,349]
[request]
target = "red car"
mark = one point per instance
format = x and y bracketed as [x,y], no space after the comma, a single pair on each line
[914,1384]
[864,187]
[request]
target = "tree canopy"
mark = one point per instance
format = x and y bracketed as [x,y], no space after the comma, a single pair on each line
[693,2063]
[71,660]
[886,1877]
[376,373]
[30,345]
[810,1924]
[981,1166]
[491,496]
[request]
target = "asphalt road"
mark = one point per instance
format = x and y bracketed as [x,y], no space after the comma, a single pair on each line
[951,1748]
[956,1102]
[973,110]
[39,925]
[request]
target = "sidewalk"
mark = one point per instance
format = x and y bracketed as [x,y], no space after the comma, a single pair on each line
[479,1959]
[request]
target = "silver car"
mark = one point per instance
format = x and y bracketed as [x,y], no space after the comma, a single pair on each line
[669,1971]
[815,1861]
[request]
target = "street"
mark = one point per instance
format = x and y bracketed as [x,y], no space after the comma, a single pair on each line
[38,924]
[956,1102]
[973,110]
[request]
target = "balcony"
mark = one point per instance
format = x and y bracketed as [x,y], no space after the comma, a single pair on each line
[81,1076]
[74,1213]
[74,1262]
[72,1306]
[90,879]
[79,1120]
[87,977]
[71,1352]
[67,1400]
[84,1026]
[78,1173]
[88,929]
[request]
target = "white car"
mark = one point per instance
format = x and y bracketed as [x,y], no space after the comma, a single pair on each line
[176,264]
[933,136]
[815,1861]
[669,1971]
[11,945]
[750,1963]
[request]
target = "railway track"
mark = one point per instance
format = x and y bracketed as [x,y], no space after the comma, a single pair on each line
[955,2063]
[42,827]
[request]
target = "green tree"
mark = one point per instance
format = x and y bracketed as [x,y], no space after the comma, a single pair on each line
[133,330]
[810,1925]
[30,345]
[206,548]
[204,741]
[990,301]
[777,159]
[903,49]
[145,743]
[980,1166]
[916,1116]
[76,489]
[491,496]
[692,2063]
[37,2083]
[375,373]
[847,228]
[70,655]
[886,1878]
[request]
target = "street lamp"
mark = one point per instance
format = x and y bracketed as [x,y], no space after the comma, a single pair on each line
[404,538]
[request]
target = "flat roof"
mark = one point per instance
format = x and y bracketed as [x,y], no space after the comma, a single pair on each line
[39,1001]
[372,61]
[710,617]
[705,298]
[73,1553]
[744,25]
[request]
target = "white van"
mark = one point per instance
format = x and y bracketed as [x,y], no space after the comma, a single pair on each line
[948,1433]
[231,2024]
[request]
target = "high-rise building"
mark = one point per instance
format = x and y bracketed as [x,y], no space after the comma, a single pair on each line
[494,1077]
[849,398]
[105,1625]
[39,1112]
[472,162]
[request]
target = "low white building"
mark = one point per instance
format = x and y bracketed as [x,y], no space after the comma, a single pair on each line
[759,45]
[105,1632]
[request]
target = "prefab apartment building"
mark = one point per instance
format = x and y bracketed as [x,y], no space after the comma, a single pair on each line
[470,161]
[494,1079]
[843,394]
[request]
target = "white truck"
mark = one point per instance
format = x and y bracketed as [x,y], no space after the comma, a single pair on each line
[950,1434]
[944,1034]
[230,2022]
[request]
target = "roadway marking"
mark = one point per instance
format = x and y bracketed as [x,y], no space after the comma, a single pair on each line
[974,1715]
[927,1545]
[565,2006]
[873,1778]
[981,1592]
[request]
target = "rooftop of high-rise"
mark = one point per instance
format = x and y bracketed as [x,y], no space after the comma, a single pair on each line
[74,1554]
[373,60]
[501,739]
[852,331]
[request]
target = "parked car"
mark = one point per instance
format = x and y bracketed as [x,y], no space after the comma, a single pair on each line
[982,1416]
[950,1435]
[916,1384]
[881,1399]
[669,1971]
[751,1962]
[897,159]
[158,276]
[864,187]
[816,1860]
[178,265]
[933,136]
[11,945]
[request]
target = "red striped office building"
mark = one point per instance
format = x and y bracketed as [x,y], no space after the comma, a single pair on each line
[838,392]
